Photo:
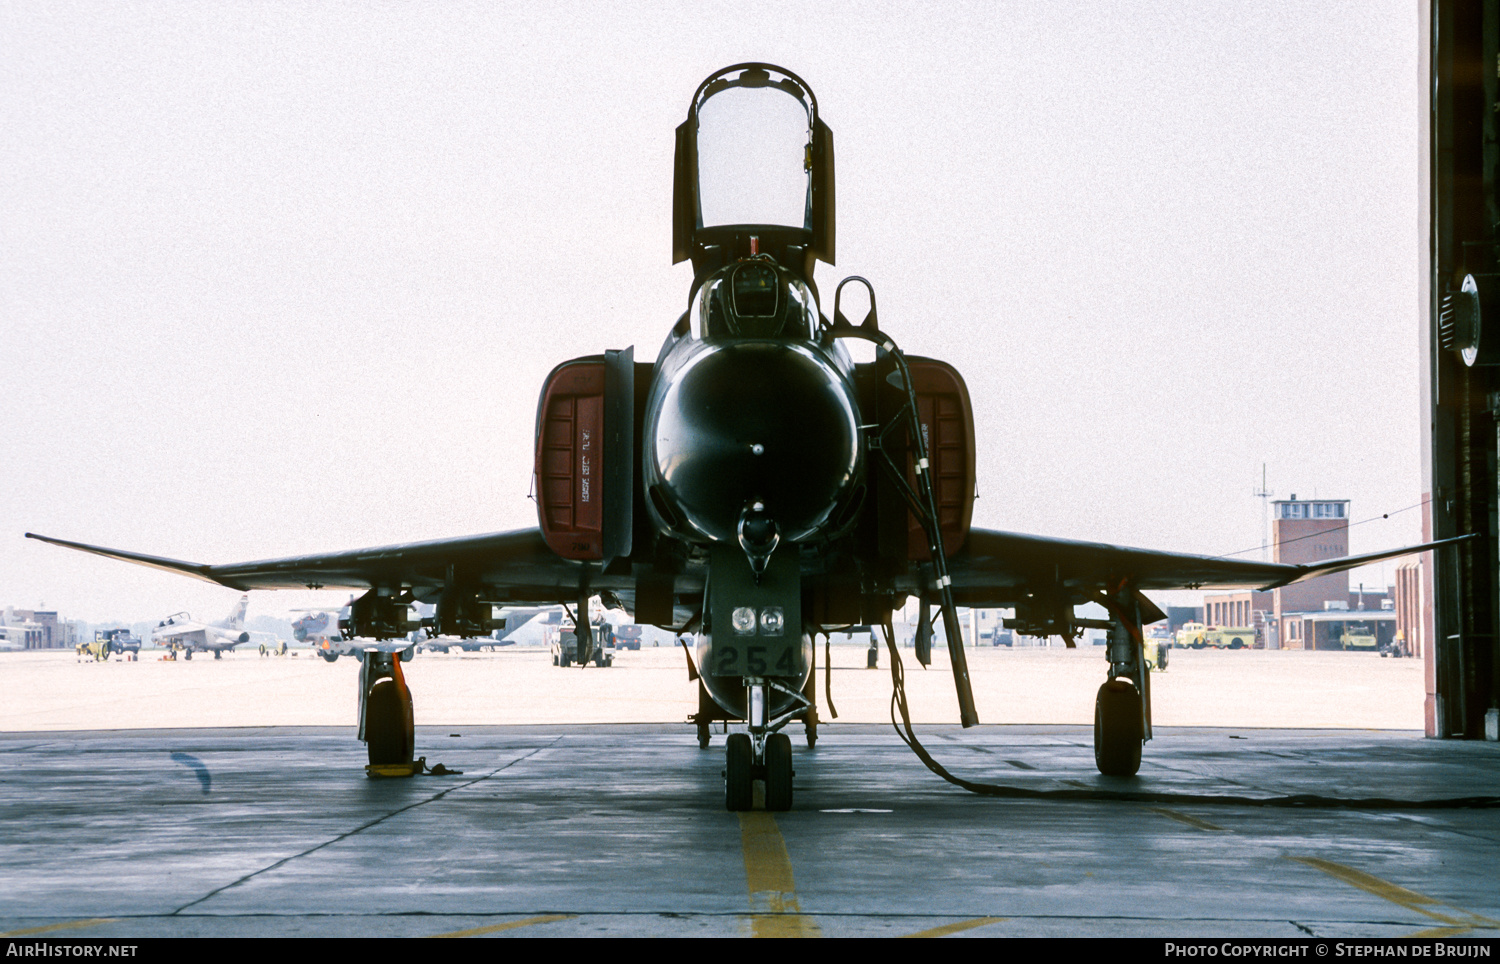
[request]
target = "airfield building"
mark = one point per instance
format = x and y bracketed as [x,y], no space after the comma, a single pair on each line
[1315,613]
[36,629]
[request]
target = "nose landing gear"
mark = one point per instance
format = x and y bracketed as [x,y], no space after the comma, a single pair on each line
[760,754]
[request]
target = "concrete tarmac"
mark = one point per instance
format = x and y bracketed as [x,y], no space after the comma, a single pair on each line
[620,830]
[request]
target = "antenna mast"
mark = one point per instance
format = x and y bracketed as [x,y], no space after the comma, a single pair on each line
[1264,495]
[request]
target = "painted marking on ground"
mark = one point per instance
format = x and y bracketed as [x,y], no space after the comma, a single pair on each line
[1409,899]
[768,875]
[364,826]
[66,926]
[1184,818]
[205,780]
[509,925]
[956,927]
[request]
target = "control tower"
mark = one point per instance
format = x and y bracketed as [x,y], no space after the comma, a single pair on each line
[1309,531]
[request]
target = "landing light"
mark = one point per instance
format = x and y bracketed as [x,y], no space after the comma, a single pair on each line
[772,621]
[743,621]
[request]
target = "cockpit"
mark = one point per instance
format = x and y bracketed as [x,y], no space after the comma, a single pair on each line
[754,178]
[755,298]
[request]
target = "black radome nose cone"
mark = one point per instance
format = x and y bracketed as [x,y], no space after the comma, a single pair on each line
[752,422]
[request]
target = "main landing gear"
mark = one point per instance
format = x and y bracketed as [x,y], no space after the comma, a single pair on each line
[385,712]
[759,755]
[1122,709]
[1117,728]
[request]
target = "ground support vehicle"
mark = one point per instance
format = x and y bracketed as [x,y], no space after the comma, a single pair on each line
[565,648]
[1199,636]
[1190,636]
[1157,649]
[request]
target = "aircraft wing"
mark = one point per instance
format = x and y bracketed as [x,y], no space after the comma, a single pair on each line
[190,634]
[993,569]
[518,566]
[996,568]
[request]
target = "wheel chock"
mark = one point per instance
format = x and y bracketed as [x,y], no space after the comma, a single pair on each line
[417,768]
[384,771]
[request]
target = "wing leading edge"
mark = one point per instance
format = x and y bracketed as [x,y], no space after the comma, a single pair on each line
[995,568]
[518,566]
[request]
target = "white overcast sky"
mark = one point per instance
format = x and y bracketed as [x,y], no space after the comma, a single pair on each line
[286,277]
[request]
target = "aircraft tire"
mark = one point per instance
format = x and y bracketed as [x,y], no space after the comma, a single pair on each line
[778,772]
[1117,729]
[389,733]
[331,657]
[703,736]
[739,775]
[187,654]
[218,654]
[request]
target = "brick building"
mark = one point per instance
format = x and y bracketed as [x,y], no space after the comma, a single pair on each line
[1303,531]
[39,629]
[1410,603]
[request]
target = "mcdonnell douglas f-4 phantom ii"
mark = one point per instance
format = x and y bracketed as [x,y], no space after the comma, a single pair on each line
[753,486]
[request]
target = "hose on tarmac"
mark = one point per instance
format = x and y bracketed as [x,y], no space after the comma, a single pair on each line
[908,736]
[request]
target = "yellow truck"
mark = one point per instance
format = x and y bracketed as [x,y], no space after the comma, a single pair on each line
[1199,636]
[1360,637]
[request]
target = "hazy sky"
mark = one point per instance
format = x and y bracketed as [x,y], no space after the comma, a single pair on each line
[287,277]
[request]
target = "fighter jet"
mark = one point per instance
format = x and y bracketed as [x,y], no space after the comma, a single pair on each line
[319,628]
[182,633]
[753,486]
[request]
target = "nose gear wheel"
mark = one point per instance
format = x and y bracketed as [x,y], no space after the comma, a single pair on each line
[739,773]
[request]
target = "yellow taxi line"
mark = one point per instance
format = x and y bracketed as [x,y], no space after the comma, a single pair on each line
[956,927]
[508,925]
[1401,896]
[68,926]
[775,911]
[1184,818]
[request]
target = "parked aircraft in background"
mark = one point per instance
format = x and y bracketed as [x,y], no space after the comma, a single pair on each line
[319,628]
[506,621]
[754,486]
[180,632]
